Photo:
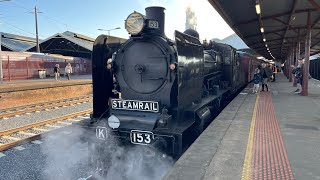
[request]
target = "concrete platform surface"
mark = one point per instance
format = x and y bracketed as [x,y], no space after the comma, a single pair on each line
[222,150]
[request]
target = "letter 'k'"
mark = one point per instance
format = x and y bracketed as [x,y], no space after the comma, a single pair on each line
[100,133]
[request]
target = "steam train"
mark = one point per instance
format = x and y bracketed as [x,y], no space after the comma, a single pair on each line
[160,93]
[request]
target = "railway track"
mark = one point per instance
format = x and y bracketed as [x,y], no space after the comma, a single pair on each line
[19,110]
[17,136]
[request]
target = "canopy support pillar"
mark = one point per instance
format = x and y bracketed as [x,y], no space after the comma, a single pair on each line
[297,58]
[307,58]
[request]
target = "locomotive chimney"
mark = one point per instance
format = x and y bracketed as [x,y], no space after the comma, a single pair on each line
[157,14]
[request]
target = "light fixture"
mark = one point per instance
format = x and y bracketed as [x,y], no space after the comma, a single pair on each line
[266,45]
[135,23]
[258,8]
[109,30]
[262,30]
[264,39]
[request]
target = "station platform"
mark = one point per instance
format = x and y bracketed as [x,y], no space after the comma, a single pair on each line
[269,135]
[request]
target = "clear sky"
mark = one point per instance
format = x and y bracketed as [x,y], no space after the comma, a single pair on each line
[86,16]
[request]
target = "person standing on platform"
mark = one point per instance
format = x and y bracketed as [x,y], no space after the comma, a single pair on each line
[275,71]
[68,71]
[298,74]
[256,80]
[266,74]
[56,71]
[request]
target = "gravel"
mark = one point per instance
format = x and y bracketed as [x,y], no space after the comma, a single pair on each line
[58,124]
[3,141]
[40,104]
[14,122]
[46,127]
[21,136]
[33,131]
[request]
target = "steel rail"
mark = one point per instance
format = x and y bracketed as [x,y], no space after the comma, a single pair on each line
[42,106]
[15,108]
[34,125]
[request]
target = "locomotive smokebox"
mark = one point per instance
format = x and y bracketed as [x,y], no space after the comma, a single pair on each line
[157,14]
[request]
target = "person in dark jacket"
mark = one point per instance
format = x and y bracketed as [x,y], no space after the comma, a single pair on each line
[56,71]
[298,75]
[266,74]
[256,80]
[274,71]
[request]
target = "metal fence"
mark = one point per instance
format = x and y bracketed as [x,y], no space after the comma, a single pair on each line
[21,67]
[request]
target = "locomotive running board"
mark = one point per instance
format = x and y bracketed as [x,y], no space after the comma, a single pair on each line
[205,101]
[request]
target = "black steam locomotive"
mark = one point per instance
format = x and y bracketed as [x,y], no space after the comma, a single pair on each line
[160,93]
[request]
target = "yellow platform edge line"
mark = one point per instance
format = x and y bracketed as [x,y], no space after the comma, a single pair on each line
[246,171]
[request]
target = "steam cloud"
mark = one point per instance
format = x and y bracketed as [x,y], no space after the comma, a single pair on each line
[191,19]
[65,155]
[67,158]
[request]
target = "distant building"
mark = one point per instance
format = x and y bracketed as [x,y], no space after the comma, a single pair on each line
[66,44]
[15,43]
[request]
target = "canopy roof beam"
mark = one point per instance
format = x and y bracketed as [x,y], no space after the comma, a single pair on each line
[276,15]
[293,9]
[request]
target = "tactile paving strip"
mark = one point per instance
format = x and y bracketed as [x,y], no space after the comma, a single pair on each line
[266,156]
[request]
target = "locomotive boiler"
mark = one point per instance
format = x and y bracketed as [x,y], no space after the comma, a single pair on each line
[156,92]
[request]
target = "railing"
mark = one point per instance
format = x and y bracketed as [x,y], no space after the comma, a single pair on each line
[16,67]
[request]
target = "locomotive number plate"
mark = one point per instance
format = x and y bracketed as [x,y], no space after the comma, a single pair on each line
[150,106]
[141,137]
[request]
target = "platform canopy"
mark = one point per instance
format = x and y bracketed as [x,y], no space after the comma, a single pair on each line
[272,27]
[67,43]
[15,43]
[70,44]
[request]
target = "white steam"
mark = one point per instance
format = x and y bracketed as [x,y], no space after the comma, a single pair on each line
[191,19]
[65,154]
[67,158]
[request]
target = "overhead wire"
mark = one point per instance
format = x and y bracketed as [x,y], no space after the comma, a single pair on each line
[80,30]
[21,31]
[18,5]
[17,27]
[66,25]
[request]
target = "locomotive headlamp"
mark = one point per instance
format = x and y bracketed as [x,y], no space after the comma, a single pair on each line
[135,23]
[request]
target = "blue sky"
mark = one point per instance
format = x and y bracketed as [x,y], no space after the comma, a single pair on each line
[84,16]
